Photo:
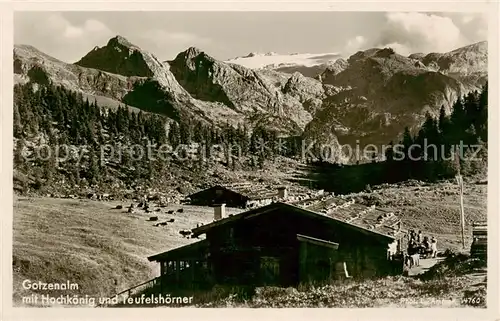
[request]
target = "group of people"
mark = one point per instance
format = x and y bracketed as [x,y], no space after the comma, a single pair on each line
[419,244]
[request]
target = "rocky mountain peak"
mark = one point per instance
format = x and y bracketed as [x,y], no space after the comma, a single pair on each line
[362,54]
[377,92]
[384,53]
[465,62]
[241,89]
[188,55]
[200,55]
[121,41]
[191,58]
[119,56]
[192,52]
[337,66]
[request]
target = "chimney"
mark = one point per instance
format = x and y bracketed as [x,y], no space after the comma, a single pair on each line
[282,192]
[219,211]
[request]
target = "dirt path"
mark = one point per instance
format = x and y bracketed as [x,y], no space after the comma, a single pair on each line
[425,265]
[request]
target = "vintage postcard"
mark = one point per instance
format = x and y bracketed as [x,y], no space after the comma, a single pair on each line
[200,158]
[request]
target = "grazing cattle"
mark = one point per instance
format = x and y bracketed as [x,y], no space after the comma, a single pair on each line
[147,210]
[185,233]
[180,210]
[171,220]
[171,212]
[153,218]
[141,204]
[163,223]
[119,207]
[158,210]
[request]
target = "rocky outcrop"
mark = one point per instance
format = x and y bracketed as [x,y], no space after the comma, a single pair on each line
[33,65]
[159,93]
[333,69]
[373,95]
[468,64]
[465,60]
[308,71]
[244,90]
[196,72]
[306,90]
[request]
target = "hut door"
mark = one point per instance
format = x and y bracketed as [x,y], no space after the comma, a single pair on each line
[270,270]
[316,261]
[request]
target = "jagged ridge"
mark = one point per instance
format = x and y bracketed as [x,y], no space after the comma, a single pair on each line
[202,87]
[372,95]
[375,93]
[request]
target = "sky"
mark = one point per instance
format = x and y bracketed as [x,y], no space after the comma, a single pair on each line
[68,36]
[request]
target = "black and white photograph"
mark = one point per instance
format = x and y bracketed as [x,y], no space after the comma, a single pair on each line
[250,159]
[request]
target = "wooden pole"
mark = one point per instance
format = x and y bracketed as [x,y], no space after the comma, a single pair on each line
[461,190]
[462,214]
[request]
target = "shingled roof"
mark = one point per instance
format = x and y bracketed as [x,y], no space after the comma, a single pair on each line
[252,191]
[369,219]
[258,191]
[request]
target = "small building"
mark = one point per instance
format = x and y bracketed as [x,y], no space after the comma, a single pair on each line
[241,195]
[479,246]
[285,245]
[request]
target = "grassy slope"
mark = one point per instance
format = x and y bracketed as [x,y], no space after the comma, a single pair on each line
[434,209]
[92,244]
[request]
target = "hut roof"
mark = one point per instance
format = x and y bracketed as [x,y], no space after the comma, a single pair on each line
[362,218]
[367,217]
[183,252]
[257,191]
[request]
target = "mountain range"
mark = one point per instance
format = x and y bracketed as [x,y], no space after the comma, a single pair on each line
[370,96]
[309,65]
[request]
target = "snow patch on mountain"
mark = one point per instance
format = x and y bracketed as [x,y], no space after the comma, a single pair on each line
[274,60]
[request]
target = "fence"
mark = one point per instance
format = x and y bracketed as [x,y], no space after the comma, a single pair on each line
[130,292]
